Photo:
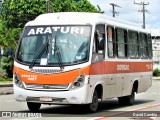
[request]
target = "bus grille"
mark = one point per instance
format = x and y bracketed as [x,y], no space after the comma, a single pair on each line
[46,71]
[46,87]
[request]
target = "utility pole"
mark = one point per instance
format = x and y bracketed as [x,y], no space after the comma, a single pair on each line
[47,6]
[143,11]
[113,7]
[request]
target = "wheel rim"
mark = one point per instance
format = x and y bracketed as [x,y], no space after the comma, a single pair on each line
[95,102]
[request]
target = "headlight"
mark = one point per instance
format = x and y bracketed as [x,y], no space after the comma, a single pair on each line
[79,82]
[18,81]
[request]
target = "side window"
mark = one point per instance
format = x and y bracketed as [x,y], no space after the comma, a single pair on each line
[121,42]
[110,41]
[99,43]
[133,44]
[143,43]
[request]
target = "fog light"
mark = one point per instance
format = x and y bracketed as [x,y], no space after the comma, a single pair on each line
[20,97]
[73,99]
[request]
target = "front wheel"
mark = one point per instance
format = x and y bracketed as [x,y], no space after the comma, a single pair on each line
[94,105]
[33,106]
[127,100]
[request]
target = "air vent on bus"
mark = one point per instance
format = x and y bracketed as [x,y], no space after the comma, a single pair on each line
[46,87]
[46,71]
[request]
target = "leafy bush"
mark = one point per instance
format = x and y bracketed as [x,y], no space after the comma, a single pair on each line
[156,72]
[3,74]
[7,65]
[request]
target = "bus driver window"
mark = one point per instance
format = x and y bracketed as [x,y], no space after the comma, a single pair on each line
[100,39]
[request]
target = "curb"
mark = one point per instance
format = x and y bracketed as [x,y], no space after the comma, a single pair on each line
[6,84]
[6,93]
[156,78]
[6,88]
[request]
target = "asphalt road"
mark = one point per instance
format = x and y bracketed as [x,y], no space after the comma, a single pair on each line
[146,107]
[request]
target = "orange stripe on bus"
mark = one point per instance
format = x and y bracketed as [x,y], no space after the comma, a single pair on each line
[105,67]
[57,78]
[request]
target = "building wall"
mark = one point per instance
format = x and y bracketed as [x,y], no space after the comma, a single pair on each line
[156,51]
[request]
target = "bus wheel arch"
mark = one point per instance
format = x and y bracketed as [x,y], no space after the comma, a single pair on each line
[99,89]
[135,86]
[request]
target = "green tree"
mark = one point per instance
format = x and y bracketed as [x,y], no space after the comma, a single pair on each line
[72,6]
[62,5]
[85,6]
[17,12]
[9,36]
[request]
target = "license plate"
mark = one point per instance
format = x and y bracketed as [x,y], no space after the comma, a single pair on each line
[46,99]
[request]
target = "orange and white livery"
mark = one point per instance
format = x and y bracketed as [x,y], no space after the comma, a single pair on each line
[81,58]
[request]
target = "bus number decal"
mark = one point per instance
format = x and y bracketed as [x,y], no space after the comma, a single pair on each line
[149,66]
[122,67]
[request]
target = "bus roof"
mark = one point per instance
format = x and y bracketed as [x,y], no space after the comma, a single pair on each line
[82,18]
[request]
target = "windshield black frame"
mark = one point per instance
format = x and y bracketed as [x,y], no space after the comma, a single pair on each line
[59,54]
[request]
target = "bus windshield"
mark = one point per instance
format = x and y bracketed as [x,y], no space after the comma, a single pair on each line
[54,45]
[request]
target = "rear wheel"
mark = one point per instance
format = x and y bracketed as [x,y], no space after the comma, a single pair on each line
[33,106]
[127,100]
[94,105]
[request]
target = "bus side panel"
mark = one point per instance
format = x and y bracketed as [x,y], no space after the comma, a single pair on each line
[127,84]
[119,76]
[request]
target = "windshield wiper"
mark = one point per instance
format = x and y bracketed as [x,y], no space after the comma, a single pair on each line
[38,54]
[57,51]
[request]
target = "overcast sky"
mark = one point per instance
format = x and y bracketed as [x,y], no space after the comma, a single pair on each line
[129,11]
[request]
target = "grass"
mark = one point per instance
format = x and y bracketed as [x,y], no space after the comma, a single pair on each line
[3,80]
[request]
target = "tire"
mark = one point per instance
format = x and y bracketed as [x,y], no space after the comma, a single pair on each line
[94,105]
[127,100]
[33,106]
